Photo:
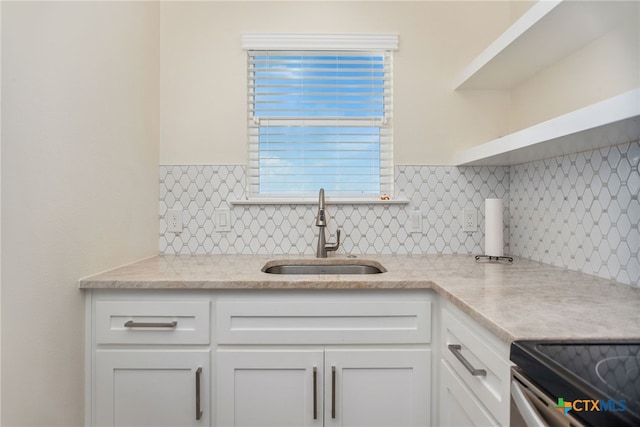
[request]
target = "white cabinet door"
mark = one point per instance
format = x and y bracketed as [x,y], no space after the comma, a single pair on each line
[269,388]
[458,406]
[368,387]
[158,388]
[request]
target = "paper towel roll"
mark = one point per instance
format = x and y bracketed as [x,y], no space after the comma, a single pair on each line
[493,230]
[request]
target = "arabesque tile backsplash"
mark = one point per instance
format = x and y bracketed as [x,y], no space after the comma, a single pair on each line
[439,193]
[579,211]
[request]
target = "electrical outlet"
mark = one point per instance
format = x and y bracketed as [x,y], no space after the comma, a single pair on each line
[469,220]
[223,220]
[174,220]
[416,222]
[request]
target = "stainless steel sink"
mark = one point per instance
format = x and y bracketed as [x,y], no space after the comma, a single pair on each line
[318,267]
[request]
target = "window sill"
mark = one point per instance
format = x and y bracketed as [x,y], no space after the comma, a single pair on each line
[314,201]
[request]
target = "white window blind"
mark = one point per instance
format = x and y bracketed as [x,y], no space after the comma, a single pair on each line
[320,119]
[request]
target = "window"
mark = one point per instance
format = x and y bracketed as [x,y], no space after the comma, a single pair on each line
[320,118]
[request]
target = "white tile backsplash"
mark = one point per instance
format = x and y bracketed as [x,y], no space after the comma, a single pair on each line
[438,192]
[579,211]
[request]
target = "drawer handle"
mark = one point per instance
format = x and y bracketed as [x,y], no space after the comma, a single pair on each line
[333,392]
[132,324]
[315,393]
[456,350]
[198,411]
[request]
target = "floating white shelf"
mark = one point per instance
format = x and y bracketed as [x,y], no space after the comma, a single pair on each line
[549,31]
[612,121]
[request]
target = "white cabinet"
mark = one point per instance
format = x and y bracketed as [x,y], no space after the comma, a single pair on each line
[458,405]
[330,359]
[348,359]
[141,322]
[474,373]
[279,388]
[315,387]
[152,388]
[327,319]
[290,358]
[149,360]
[377,387]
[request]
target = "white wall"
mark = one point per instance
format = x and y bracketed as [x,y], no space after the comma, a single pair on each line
[79,184]
[519,7]
[203,77]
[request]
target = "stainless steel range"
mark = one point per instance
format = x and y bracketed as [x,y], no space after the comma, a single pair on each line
[573,383]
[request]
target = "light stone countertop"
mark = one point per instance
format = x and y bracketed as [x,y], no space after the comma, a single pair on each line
[523,300]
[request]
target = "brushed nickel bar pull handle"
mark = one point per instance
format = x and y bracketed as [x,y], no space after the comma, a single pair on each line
[132,324]
[198,411]
[456,350]
[315,393]
[333,392]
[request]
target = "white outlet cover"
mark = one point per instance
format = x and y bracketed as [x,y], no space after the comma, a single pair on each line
[174,220]
[469,220]
[223,220]
[416,222]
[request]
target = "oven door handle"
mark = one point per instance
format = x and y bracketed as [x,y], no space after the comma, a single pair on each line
[527,411]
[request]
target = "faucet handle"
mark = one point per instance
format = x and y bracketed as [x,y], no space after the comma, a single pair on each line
[337,245]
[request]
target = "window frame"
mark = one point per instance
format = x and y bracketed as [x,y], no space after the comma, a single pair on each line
[383,44]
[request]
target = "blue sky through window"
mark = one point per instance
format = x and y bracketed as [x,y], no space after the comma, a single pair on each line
[325,112]
[299,160]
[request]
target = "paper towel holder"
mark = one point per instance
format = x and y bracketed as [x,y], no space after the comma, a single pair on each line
[490,258]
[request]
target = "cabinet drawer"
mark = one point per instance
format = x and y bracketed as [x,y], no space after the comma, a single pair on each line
[152,322]
[476,348]
[459,406]
[323,322]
